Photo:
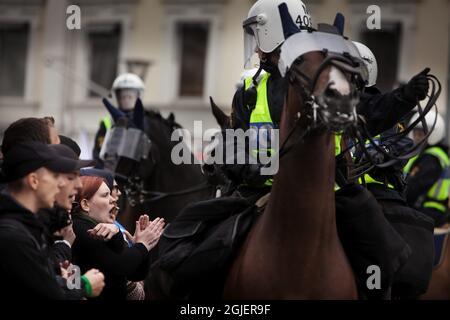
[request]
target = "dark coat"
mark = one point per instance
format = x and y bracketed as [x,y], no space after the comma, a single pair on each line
[114,258]
[25,264]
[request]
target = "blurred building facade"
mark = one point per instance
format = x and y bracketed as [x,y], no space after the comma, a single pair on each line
[186,51]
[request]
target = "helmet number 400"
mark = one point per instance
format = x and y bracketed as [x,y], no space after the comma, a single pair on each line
[304,21]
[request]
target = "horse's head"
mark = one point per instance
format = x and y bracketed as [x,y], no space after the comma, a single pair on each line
[325,71]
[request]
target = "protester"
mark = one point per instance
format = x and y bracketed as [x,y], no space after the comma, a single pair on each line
[99,244]
[31,171]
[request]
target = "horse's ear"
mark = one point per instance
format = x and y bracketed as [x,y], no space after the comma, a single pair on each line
[115,113]
[138,114]
[339,22]
[171,117]
[222,119]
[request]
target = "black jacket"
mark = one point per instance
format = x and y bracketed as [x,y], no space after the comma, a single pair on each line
[59,251]
[114,258]
[25,264]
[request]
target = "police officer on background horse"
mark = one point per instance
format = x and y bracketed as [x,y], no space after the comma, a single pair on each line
[127,88]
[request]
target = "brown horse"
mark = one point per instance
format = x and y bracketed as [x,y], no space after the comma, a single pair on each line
[439,287]
[293,250]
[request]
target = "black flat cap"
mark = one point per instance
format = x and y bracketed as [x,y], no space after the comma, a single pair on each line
[70,143]
[29,156]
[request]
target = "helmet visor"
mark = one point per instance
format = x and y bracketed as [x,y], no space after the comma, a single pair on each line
[250,43]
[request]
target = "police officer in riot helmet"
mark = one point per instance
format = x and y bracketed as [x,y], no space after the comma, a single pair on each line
[127,88]
[428,174]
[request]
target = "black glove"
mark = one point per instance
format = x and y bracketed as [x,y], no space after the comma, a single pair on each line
[214,175]
[252,175]
[376,157]
[417,87]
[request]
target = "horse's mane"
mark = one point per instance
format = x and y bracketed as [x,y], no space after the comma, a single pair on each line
[169,121]
[164,127]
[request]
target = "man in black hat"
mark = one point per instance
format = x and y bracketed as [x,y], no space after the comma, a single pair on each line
[57,219]
[31,171]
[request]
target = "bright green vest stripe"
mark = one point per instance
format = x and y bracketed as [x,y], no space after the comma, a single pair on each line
[409,165]
[337,144]
[435,205]
[107,122]
[440,190]
[368,179]
[337,151]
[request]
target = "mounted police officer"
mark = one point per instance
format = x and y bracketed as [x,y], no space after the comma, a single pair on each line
[127,88]
[387,186]
[428,179]
[259,104]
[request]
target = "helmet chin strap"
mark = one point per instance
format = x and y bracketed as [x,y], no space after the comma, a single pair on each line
[266,63]
[255,77]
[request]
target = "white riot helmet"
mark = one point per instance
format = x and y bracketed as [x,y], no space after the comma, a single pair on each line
[263,27]
[128,81]
[439,128]
[370,61]
[131,88]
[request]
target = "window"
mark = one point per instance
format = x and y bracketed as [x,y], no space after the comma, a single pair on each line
[385,44]
[13,57]
[103,43]
[193,39]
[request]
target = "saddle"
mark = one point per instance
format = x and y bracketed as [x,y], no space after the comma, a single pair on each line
[196,249]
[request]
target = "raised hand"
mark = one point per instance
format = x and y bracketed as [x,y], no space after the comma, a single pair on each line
[417,87]
[104,231]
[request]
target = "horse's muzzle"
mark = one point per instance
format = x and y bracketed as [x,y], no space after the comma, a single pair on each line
[337,111]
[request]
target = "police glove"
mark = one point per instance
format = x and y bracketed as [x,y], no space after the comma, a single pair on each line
[417,87]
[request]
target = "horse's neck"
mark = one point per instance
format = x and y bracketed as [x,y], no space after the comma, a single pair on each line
[302,206]
[166,176]
[171,177]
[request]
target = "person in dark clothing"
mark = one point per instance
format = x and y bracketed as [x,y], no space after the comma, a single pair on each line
[58,219]
[31,172]
[135,289]
[99,244]
[416,229]
[428,175]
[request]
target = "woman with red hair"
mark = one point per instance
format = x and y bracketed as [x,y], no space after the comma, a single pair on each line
[99,243]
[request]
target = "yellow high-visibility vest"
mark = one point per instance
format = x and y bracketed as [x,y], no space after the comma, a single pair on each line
[260,117]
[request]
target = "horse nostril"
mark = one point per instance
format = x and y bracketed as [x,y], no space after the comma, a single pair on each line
[330,93]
